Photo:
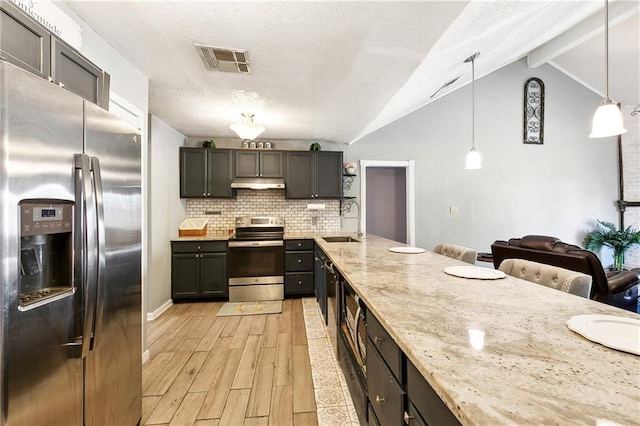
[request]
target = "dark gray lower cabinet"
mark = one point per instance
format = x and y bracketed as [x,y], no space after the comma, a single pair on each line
[386,395]
[320,279]
[298,266]
[429,408]
[198,270]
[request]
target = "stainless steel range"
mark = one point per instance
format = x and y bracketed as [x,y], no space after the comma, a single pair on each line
[256,259]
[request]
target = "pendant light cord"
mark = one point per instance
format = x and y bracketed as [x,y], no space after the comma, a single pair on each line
[606,48]
[473,103]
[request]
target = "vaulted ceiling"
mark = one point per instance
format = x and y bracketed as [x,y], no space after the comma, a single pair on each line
[338,70]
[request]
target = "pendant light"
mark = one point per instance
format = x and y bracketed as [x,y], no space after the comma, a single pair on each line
[247,129]
[607,120]
[474,159]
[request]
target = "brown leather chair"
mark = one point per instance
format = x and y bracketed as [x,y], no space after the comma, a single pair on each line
[617,288]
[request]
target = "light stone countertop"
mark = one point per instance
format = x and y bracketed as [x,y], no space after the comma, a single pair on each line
[532,368]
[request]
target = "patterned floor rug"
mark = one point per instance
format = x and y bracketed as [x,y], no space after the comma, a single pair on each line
[250,308]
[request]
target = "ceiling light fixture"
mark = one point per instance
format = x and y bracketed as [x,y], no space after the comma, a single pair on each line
[607,120]
[474,159]
[247,129]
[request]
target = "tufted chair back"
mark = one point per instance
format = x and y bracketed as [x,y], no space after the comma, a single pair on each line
[550,276]
[457,252]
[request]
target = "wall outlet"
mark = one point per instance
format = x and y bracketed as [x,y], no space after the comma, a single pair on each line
[314,220]
[453,210]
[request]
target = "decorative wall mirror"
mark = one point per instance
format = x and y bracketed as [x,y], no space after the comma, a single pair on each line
[534,111]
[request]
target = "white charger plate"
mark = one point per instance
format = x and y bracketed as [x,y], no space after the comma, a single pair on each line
[614,332]
[475,272]
[407,249]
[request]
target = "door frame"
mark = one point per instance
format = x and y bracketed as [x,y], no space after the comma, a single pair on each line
[409,166]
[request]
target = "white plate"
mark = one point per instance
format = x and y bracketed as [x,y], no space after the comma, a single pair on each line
[476,272]
[407,249]
[614,332]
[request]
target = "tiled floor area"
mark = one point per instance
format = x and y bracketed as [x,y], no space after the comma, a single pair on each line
[334,404]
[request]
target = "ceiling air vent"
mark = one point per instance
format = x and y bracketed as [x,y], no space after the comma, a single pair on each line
[222,59]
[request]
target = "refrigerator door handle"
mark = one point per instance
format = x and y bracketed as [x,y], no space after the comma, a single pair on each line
[87,229]
[100,290]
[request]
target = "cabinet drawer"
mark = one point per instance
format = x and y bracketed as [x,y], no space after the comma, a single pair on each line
[198,246]
[391,353]
[432,409]
[385,394]
[296,261]
[292,245]
[298,283]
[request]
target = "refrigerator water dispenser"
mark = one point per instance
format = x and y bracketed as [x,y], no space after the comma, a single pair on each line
[46,251]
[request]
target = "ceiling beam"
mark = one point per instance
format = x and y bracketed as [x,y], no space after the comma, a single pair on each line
[592,26]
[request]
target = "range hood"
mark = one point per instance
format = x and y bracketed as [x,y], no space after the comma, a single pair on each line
[257,183]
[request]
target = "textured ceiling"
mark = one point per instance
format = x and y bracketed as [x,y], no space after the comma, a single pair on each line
[321,70]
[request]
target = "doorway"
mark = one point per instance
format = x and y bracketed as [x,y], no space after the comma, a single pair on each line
[387,199]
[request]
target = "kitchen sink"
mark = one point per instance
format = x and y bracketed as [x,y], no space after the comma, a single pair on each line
[340,239]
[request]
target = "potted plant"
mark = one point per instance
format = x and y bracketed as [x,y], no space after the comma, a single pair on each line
[349,168]
[619,240]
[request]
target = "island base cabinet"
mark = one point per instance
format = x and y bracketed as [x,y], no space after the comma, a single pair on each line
[355,383]
[412,416]
[385,394]
[426,401]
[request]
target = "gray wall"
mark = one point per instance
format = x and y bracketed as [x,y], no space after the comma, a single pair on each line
[556,189]
[166,207]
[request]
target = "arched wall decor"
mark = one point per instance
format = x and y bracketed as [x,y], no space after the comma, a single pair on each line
[534,111]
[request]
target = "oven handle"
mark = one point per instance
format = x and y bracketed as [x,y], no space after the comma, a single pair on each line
[278,243]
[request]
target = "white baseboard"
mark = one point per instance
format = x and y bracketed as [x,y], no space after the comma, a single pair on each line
[145,356]
[155,314]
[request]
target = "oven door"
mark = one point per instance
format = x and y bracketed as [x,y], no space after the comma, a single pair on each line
[256,262]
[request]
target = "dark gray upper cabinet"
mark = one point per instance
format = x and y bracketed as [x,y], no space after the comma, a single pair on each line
[206,173]
[29,45]
[24,42]
[328,174]
[299,179]
[74,72]
[313,174]
[268,164]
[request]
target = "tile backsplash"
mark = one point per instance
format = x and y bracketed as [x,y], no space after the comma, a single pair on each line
[221,212]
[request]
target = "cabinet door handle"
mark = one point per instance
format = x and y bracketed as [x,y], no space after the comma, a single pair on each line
[204,194]
[299,282]
[198,247]
[377,340]
[379,400]
[407,418]
[299,260]
[208,194]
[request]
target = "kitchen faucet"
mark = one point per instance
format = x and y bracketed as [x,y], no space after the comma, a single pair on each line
[346,208]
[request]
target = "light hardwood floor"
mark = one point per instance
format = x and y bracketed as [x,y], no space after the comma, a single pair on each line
[208,370]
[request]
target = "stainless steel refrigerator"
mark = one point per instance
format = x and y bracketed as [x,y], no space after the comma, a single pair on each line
[70,240]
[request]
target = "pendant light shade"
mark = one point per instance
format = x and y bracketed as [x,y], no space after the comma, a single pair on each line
[607,120]
[473,161]
[247,129]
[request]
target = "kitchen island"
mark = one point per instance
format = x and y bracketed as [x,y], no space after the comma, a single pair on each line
[529,369]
